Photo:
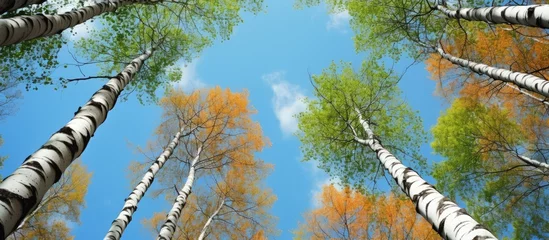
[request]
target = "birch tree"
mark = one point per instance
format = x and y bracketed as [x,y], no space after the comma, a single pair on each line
[227,136]
[21,28]
[61,205]
[529,15]
[233,207]
[345,127]
[503,164]
[24,189]
[414,28]
[349,214]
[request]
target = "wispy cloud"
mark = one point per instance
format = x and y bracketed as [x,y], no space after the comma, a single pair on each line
[190,79]
[287,101]
[339,21]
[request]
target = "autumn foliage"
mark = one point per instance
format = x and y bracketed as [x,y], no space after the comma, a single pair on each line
[349,214]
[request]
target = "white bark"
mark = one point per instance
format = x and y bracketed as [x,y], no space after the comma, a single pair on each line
[210,219]
[543,101]
[543,167]
[168,228]
[446,217]
[523,80]
[22,191]
[531,15]
[130,206]
[10,5]
[21,28]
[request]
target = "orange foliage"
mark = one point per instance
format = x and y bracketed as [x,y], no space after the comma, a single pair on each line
[500,47]
[220,122]
[348,214]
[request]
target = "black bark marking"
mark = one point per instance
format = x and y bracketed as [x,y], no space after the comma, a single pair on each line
[77,111]
[36,167]
[56,169]
[54,148]
[26,159]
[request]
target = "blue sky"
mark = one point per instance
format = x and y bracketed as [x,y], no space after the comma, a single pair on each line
[270,55]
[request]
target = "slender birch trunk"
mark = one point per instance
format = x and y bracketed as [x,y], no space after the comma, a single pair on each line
[210,219]
[22,191]
[21,28]
[541,100]
[10,5]
[130,206]
[447,218]
[523,80]
[168,228]
[531,15]
[541,166]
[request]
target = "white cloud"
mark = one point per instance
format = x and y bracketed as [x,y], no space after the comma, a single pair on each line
[190,80]
[338,21]
[287,101]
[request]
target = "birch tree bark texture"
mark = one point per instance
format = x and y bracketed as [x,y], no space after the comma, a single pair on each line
[22,191]
[130,205]
[168,228]
[523,80]
[210,219]
[21,28]
[530,15]
[447,218]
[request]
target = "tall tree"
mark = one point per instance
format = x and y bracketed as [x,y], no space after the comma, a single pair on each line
[503,47]
[355,112]
[349,214]
[61,204]
[130,206]
[226,135]
[530,15]
[497,166]
[24,189]
[414,28]
[21,28]
[233,207]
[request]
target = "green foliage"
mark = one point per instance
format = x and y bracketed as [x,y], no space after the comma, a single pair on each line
[395,28]
[327,137]
[32,62]
[481,144]
[178,31]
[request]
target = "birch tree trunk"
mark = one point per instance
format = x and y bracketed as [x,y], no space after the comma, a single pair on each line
[447,218]
[10,5]
[22,191]
[531,15]
[21,28]
[168,228]
[210,219]
[543,101]
[130,206]
[523,80]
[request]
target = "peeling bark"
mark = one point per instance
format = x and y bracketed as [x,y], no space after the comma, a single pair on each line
[447,218]
[10,5]
[22,191]
[21,28]
[523,80]
[168,228]
[130,206]
[531,15]
[210,219]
